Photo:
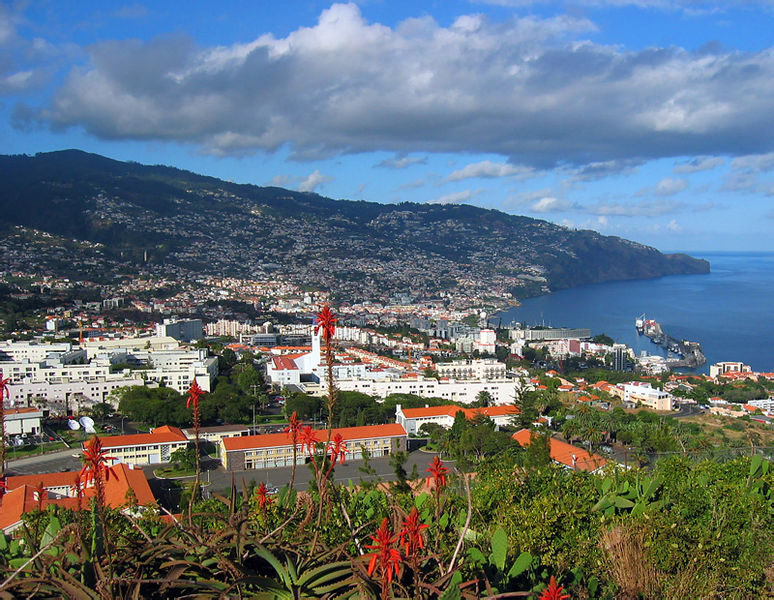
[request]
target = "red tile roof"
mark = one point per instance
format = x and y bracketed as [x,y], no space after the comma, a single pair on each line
[20,497]
[23,410]
[452,410]
[564,453]
[284,363]
[271,440]
[161,435]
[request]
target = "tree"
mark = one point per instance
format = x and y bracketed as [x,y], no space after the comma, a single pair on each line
[483,399]
[101,410]
[185,458]
[227,359]
[538,452]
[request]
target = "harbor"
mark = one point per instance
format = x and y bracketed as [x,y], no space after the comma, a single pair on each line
[687,354]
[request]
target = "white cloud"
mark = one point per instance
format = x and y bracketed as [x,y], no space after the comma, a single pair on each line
[313,181]
[457,197]
[532,89]
[551,204]
[700,163]
[673,227]
[647,208]
[281,180]
[402,162]
[670,186]
[488,169]
[754,162]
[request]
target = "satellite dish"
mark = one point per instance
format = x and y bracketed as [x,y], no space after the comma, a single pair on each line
[88,424]
[73,424]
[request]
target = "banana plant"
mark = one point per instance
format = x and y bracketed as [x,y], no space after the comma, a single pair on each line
[497,575]
[635,497]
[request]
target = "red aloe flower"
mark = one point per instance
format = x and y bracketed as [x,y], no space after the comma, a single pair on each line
[337,449]
[293,428]
[437,473]
[553,591]
[325,320]
[386,558]
[262,495]
[411,533]
[95,461]
[194,393]
[308,439]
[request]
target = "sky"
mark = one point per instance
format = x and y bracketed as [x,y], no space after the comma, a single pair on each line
[651,120]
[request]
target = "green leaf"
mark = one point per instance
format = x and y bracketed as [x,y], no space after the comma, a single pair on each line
[3,542]
[452,591]
[755,464]
[621,502]
[476,556]
[499,548]
[444,521]
[652,487]
[521,564]
[593,585]
[420,500]
[607,483]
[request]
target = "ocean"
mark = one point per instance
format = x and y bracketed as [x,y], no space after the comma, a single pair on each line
[728,311]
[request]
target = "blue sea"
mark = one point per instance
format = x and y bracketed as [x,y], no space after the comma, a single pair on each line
[729,311]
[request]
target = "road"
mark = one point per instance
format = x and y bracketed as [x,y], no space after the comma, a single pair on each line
[219,480]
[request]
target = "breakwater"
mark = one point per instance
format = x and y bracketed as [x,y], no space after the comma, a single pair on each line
[690,353]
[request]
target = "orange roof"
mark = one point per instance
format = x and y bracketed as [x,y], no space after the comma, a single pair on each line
[271,440]
[20,497]
[284,363]
[17,411]
[161,435]
[564,453]
[452,410]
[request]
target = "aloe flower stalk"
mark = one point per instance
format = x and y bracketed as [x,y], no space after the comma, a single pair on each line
[96,469]
[386,558]
[553,591]
[194,393]
[263,498]
[411,534]
[325,322]
[4,393]
[438,473]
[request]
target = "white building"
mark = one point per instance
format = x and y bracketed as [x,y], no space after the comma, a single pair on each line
[58,395]
[31,351]
[648,396]
[729,367]
[183,331]
[487,340]
[22,420]
[502,391]
[487,368]
[412,419]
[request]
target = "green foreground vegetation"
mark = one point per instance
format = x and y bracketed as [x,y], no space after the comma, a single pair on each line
[685,529]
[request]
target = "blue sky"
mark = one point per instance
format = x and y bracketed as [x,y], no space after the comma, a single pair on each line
[648,119]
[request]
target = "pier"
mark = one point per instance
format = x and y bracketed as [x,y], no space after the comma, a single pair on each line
[690,353]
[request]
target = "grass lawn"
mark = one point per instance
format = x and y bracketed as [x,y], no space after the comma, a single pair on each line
[173,470]
[33,450]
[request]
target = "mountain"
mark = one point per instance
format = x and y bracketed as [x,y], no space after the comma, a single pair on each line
[117,215]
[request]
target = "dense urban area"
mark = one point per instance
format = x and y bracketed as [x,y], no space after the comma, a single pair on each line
[223,403]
